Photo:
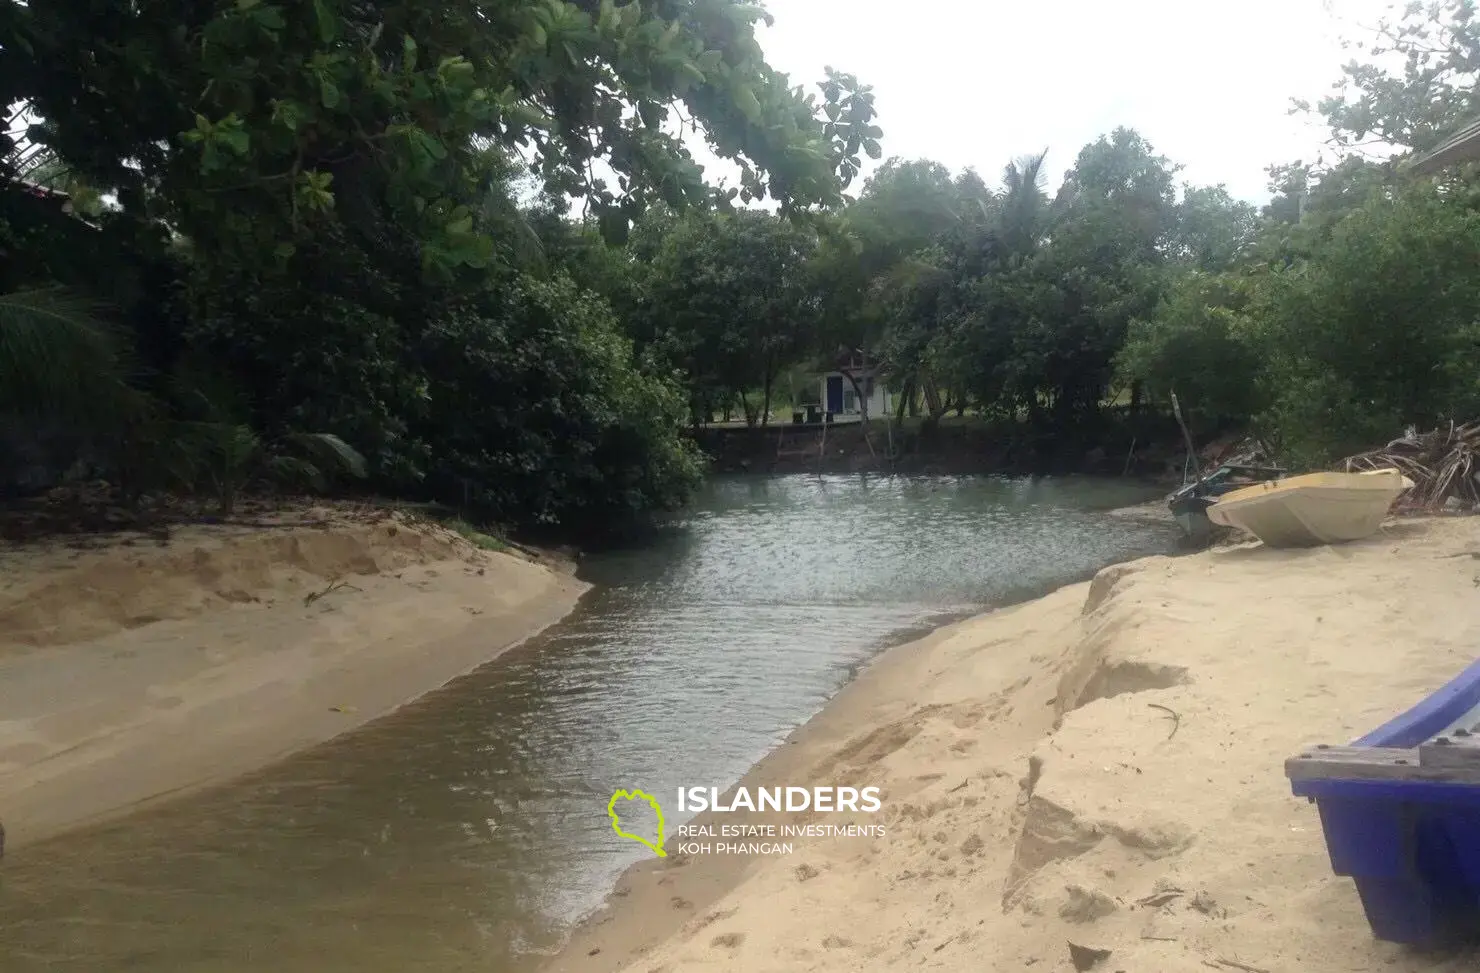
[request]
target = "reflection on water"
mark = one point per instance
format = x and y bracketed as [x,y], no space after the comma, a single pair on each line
[462,832]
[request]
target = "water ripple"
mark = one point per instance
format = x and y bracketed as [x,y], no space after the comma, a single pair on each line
[466,830]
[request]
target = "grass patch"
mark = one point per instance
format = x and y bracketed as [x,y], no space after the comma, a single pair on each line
[475,536]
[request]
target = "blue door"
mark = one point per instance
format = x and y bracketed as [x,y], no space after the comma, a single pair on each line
[835,393]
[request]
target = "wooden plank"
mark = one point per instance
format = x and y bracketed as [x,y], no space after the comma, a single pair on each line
[1450,752]
[1375,763]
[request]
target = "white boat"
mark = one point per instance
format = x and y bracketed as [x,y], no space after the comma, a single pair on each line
[1316,508]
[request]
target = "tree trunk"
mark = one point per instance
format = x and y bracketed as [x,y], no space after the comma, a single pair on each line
[766,400]
[862,403]
[935,406]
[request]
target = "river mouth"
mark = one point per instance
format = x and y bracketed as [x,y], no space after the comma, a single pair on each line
[466,831]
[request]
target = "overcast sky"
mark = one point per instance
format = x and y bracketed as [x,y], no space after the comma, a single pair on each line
[980,82]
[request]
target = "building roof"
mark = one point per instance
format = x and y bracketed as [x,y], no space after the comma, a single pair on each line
[1462,146]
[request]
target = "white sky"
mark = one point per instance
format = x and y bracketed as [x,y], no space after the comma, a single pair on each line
[980,82]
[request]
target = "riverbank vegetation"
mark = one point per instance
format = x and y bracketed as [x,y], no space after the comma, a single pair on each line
[314,243]
[259,242]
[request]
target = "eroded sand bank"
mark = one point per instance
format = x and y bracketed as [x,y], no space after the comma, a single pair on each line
[133,670]
[1102,766]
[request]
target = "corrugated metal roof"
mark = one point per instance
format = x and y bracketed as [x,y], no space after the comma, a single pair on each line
[1463,146]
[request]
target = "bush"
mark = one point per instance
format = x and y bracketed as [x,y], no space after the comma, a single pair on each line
[1201,345]
[1378,329]
[541,416]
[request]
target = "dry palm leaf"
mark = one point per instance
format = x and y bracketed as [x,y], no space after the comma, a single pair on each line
[1441,463]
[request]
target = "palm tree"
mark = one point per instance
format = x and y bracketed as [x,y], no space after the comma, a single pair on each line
[60,359]
[1025,208]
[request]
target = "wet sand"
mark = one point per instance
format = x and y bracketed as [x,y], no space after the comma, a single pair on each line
[1101,766]
[132,671]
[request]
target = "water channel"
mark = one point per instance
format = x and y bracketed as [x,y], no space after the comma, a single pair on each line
[466,831]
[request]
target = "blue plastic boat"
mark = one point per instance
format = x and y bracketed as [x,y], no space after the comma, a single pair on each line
[1401,811]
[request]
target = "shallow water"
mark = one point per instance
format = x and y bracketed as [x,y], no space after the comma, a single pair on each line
[466,831]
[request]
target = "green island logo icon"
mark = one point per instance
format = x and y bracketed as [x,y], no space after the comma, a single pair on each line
[634,795]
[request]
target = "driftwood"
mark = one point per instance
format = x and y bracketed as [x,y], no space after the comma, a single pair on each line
[1441,463]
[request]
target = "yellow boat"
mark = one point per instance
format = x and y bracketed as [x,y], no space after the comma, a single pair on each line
[1317,508]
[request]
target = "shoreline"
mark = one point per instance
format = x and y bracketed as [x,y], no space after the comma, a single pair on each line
[1033,795]
[133,672]
[637,888]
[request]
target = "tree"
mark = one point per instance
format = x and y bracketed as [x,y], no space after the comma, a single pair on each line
[1068,305]
[1211,229]
[334,186]
[888,270]
[1420,104]
[1377,329]
[1201,344]
[729,297]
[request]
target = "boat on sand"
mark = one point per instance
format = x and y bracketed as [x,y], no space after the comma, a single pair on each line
[1190,504]
[1316,508]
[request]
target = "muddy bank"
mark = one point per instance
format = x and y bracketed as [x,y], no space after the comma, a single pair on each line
[1102,766]
[134,668]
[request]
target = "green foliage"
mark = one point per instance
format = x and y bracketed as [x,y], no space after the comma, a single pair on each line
[1201,344]
[59,358]
[1417,105]
[317,202]
[542,416]
[476,537]
[226,458]
[322,260]
[255,119]
[732,302]
[1378,329]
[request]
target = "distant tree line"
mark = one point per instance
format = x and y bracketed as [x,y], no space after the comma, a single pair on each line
[330,239]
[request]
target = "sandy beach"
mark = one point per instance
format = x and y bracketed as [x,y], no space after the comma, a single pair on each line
[134,668]
[1102,766]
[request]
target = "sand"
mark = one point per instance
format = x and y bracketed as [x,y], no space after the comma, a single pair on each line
[1102,766]
[133,670]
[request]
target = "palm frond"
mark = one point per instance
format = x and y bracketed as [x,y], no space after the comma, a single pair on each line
[330,453]
[1441,463]
[293,469]
[58,356]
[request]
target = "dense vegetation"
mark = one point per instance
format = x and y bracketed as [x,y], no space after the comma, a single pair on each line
[1324,321]
[313,263]
[323,239]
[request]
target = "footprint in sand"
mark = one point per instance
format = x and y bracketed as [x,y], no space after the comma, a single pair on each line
[729,940]
[712,918]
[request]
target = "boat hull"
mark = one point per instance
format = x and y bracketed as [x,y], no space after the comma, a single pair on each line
[1314,509]
[1189,505]
[1191,514]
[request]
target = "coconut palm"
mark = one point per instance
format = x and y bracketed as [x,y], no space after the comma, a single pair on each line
[60,359]
[1024,211]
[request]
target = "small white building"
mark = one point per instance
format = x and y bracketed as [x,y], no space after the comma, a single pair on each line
[840,396]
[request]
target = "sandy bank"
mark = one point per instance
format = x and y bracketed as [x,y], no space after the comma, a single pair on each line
[1103,766]
[137,668]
